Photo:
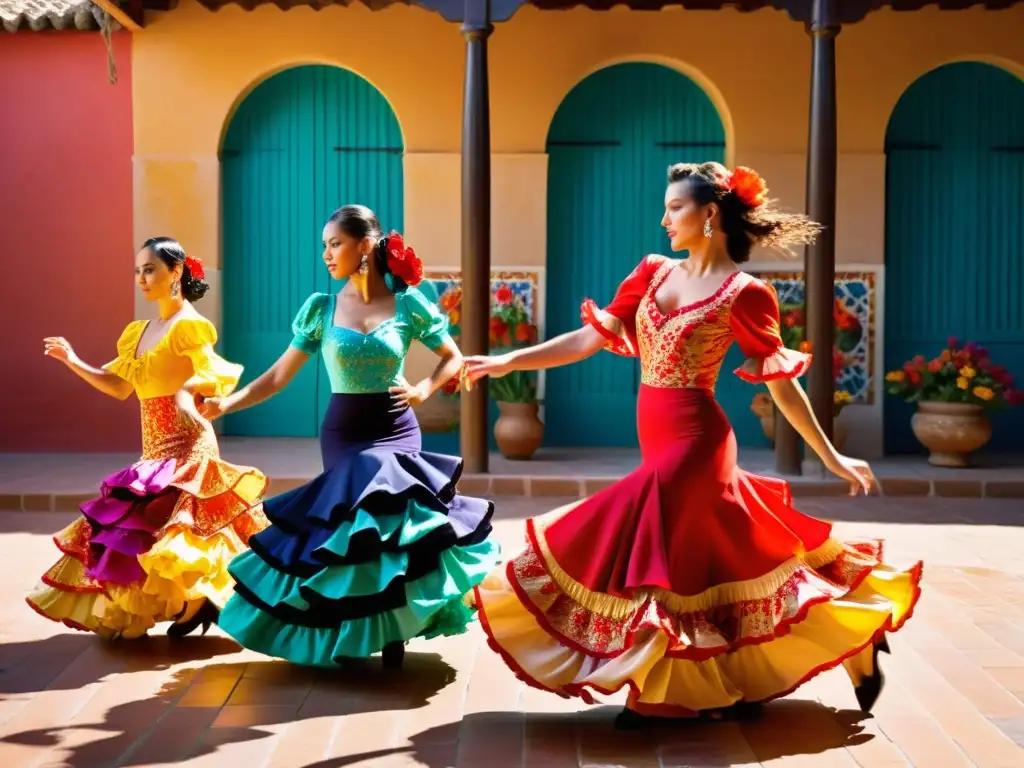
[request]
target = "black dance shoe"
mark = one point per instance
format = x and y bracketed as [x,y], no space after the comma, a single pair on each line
[628,720]
[393,655]
[742,711]
[870,687]
[205,616]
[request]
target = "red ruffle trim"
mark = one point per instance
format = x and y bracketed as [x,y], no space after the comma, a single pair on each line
[834,580]
[615,343]
[581,691]
[784,363]
[66,622]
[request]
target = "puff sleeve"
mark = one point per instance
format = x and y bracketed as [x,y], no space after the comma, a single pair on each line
[617,321]
[213,376]
[308,325]
[754,321]
[429,324]
[124,364]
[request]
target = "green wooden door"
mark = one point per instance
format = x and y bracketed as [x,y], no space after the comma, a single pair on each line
[610,144]
[303,143]
[954,259]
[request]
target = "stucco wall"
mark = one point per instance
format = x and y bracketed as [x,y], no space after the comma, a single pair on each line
[66,237]
[193,67]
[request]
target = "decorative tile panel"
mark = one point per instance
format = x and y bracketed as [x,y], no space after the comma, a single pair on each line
[855,294]
[445,287]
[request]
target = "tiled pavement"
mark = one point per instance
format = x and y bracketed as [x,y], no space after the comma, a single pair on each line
[955,695]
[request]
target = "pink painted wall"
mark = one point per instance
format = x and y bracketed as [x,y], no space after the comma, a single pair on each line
[66,236]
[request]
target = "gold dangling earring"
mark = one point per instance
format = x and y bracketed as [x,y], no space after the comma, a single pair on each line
[361,279]
[707,227]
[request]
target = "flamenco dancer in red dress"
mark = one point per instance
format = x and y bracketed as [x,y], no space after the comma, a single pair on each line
[694,584]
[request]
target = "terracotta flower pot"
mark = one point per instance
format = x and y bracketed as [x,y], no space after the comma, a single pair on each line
[518,430]
[951,431]
[438,415]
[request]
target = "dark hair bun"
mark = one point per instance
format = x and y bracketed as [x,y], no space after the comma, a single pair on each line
[193,289]
[171,252]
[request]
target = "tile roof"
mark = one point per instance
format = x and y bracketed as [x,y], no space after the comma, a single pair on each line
[38,15]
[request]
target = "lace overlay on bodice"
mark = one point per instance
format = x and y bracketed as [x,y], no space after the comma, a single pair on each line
[685,348]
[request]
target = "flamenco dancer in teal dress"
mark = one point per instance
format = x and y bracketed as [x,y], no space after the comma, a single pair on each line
[379,548]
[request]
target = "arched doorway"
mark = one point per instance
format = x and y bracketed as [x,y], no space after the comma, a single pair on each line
[954,244]
[610,144]
[304,142]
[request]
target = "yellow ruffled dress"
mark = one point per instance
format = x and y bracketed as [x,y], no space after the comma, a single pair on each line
[156,543]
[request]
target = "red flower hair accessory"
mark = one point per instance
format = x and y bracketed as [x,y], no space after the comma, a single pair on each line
[195,267]
[403,262]
[748,186]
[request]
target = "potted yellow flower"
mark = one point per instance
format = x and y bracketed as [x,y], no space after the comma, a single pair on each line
[954,393]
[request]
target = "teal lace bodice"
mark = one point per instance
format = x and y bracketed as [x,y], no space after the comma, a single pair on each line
[361,363]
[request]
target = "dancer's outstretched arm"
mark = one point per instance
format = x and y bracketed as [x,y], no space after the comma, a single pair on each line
[792,401]
[106,382]
[263,388]
[562,350]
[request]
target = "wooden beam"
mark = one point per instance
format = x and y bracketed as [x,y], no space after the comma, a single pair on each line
[820,258]
[118,15]
[476,231]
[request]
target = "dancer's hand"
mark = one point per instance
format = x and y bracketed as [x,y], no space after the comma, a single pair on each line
[478,366]
[211,408]
[856,472]
[407,395]
[58,348]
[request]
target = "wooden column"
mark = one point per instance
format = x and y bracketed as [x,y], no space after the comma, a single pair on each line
[820,258]
[787,447]
[476,230]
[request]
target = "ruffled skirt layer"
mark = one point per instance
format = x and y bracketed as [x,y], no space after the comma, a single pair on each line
[690,583]
[157,541]
[376,550]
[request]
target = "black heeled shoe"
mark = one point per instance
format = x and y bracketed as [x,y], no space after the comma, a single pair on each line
[393,655]
[205,616]
[870,688]
[743,711]
[628,720]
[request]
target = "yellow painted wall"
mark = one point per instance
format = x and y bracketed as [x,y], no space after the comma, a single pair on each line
[191,68]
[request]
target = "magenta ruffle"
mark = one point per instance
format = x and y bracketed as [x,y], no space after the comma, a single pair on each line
[133,504]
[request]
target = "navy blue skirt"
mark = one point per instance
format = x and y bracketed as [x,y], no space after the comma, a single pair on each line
[378,548]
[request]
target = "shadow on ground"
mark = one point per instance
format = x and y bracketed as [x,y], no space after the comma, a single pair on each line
[163,730]
[37,665]
[786,728]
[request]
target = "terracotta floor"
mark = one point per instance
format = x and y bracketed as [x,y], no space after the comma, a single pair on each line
[955,695]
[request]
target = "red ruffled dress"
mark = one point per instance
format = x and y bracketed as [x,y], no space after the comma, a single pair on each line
[691,582]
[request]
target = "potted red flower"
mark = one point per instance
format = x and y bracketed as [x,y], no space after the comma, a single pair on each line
[440,414]
[519,430]
[954,393]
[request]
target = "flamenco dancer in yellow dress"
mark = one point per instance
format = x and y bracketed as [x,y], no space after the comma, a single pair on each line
[695,585]
[156,543]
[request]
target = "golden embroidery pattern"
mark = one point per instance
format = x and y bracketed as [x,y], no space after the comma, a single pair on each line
[685,348]
[693,634]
